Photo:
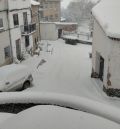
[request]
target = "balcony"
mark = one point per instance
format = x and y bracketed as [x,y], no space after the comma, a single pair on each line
[28,29]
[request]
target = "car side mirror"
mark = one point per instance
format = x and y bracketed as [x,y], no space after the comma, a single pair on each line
[7,83]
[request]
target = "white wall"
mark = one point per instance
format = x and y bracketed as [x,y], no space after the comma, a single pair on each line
[3,4]
[14,4]
[101,44]
[4,42]
[4,34]
[20,16]
[48,31]
[114,64]
[110,51]
[16,31]
[15,35]
[31,41]
[3,15]
[18,4]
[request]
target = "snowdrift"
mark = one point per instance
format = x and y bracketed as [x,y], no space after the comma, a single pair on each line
[79,103]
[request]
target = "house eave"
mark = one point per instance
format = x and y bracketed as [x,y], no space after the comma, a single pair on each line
[110,37]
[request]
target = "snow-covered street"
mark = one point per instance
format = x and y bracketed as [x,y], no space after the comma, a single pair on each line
[67,70]
[59,64]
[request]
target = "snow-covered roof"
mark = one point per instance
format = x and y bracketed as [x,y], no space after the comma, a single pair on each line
[60,23]
[66,23]
[33,2]
[107,14]
[63,19]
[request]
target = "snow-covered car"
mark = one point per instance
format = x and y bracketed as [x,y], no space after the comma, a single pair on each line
[14,77]
[55,117]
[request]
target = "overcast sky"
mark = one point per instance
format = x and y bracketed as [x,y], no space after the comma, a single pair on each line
[66,2]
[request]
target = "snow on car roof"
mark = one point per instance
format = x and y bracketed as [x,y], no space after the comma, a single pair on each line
[107,14]
[8,69]
[54,117]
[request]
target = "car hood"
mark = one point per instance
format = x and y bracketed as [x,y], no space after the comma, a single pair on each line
[54,117]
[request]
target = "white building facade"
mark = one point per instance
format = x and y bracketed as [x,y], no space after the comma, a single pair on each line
[5,45]
[21,28]
[106,47]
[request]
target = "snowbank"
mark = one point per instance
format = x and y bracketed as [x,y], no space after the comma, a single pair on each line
[5,116]
[84,104]
[54,117]
[106,13]
[70,37]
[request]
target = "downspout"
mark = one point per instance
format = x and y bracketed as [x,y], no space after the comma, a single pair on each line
[9,32]
[39,23]
[31,49]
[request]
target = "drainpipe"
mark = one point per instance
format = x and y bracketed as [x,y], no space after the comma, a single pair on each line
[9,31]
[39,23]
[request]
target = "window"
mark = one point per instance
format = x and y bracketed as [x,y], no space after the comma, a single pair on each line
[51,17]
[56,15]
[27,41]
[46,18]
[1,23]
[41,14]
[15,19]
[35,40]
[7,52]
[25,18]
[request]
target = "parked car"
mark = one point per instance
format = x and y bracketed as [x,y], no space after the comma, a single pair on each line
[56,117]
[14,77]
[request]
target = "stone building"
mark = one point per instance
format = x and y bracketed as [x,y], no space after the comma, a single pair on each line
[50,10]
[35,19]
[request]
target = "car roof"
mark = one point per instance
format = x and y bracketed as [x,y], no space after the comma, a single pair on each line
[55,117]
[9,69]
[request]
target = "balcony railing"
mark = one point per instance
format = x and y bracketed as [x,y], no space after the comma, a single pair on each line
[28,29]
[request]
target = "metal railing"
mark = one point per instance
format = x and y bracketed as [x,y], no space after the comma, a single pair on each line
[28,29]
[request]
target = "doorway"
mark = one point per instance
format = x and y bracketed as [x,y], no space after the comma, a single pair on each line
[101,68]
[59,33]
[18,49]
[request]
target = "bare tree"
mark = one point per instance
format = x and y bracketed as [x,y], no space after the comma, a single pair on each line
[78,11]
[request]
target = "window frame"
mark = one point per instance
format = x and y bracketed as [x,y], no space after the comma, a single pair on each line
[1,27]
[8,52]
[16,19]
